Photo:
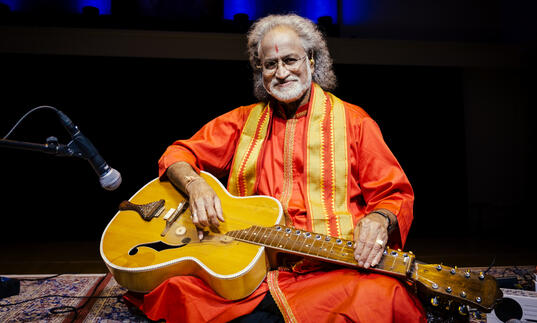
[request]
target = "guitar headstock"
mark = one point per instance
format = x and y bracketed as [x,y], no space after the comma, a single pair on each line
[455,288]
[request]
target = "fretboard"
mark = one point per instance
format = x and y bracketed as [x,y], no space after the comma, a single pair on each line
[321,247]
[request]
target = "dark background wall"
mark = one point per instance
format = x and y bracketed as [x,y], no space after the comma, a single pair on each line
[457,111]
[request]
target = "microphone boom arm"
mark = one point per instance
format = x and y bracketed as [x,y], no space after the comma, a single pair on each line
[79,146]
[51,147]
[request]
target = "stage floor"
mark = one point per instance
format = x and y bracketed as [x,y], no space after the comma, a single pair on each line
[82,263]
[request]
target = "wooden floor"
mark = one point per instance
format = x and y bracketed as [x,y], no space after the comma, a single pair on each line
[84,256]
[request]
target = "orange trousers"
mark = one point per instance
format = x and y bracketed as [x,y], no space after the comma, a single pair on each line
[341,295]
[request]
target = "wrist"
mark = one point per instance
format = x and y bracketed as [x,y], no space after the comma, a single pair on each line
[188,180]
[389,221]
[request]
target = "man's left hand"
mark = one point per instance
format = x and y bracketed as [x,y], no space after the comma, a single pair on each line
[370,238]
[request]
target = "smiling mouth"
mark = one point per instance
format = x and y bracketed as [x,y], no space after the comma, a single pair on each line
[285,83]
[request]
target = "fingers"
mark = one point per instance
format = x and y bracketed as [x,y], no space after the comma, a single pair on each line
[376,260]
[205,207]
[375,253]
[365,246]
[360,238]
[368,249]
[196,222]
[218,209]
[209,214]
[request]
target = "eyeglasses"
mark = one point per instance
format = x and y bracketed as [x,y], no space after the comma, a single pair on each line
[292,64]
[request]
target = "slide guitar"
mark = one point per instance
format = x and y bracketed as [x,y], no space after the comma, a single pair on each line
[152,238]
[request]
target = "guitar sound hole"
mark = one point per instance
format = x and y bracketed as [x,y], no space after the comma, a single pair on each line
[158,246]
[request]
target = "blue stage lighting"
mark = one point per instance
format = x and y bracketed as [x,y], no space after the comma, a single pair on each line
[354,11]
[12,4]
[233,7]
[313,9]
[104,6]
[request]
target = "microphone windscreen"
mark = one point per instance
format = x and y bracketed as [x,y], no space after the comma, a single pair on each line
[111,180]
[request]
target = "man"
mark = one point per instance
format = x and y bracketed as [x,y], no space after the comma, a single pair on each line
[327,163]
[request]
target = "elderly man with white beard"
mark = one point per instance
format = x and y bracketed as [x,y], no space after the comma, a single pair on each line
[325,160]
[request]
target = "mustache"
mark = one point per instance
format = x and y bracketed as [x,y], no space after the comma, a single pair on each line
[276,81]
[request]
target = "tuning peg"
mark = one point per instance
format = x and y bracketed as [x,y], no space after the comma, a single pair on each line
[481,275]
[453,271]
[467,274]
[463,310]
[439,267]
[434,301]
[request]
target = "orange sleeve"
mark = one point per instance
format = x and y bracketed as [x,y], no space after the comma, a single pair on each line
[382,180]
[212,148]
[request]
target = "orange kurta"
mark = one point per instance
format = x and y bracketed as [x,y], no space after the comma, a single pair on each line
[375,181]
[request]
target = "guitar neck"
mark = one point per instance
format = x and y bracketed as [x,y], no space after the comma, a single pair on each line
[322,247]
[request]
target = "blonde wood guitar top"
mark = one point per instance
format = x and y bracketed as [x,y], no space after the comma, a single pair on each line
[139,266]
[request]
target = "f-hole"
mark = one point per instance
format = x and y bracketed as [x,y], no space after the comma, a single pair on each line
[158,246]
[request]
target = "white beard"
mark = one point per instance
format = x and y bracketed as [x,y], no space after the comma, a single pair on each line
[292,92]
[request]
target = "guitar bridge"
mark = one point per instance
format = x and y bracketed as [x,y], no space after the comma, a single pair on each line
[172,216]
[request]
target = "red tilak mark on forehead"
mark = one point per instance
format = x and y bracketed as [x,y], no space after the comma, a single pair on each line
[276,48]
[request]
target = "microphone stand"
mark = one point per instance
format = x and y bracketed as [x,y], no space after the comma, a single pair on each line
[11,286]
[52,146]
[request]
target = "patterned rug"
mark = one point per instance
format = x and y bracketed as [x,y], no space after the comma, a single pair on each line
[64,298]
[55,300]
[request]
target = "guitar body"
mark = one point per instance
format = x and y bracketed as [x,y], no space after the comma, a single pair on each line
[141,256]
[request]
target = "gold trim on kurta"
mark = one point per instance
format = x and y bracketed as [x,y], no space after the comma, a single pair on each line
[287,189]
[315,174]
[279,297]
[327,166]
[341,198]
[243,173]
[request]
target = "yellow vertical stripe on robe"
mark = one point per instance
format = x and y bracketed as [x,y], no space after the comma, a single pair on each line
[341,165]
[243,173]
[315,174]
[327,164]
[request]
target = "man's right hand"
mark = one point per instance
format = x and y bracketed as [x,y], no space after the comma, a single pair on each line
[204,204]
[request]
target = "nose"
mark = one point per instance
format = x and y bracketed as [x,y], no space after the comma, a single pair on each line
[281,71]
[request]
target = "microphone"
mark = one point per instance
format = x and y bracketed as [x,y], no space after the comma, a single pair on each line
[109,178]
